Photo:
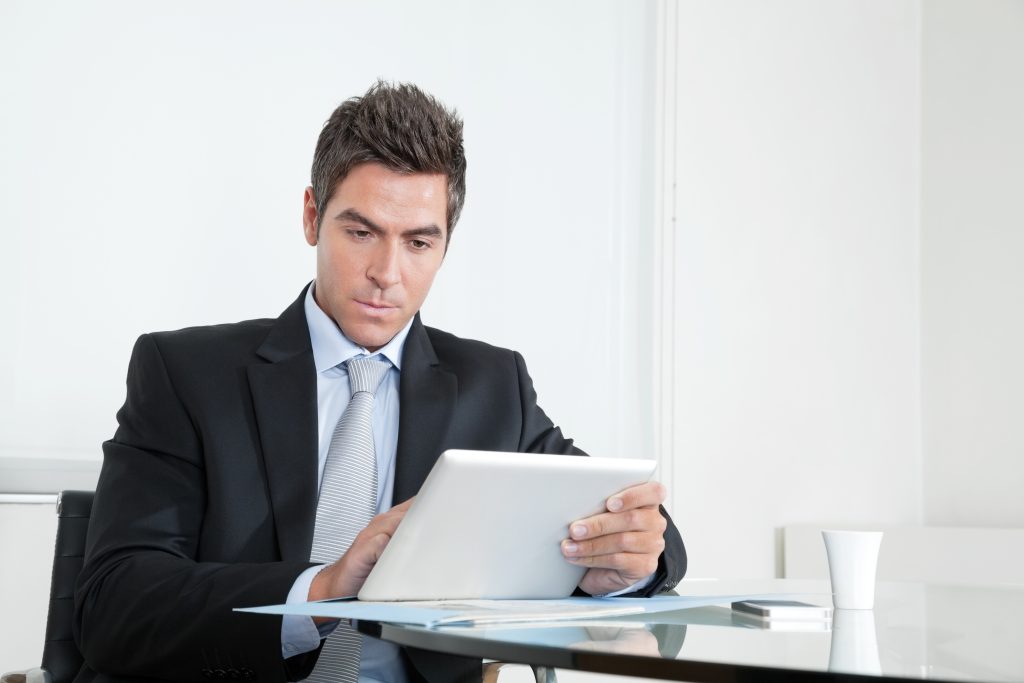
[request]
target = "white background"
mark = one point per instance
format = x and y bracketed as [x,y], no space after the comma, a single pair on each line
[834,330]
[795,273]
[972,263]
[843,309]
[154,158]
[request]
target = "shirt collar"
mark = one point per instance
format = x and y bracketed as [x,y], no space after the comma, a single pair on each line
[332,348]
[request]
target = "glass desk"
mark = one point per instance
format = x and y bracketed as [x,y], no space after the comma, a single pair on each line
[916,631]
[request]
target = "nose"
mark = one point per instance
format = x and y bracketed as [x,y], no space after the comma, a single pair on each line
[384,267]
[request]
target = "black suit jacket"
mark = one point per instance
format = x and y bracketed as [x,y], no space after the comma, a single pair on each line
[207,496]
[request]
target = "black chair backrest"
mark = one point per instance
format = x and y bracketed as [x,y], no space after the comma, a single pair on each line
[61,657]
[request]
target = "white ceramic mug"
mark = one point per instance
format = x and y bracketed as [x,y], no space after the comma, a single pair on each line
[852,558]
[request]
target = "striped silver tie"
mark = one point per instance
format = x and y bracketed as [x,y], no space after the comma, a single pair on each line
[348,501]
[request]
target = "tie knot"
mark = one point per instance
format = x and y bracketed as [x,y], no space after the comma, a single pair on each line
[366,372]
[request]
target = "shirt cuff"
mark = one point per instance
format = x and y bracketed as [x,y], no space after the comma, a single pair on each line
[300,633]
[639,585]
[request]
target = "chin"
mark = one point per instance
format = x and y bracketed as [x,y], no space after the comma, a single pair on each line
[373,339]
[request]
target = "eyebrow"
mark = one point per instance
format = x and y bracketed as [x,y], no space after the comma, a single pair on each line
[422,231]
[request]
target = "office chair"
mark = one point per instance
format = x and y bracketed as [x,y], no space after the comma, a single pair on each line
[61,658]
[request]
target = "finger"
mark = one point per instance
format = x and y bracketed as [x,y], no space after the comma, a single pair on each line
[603,581]
[362,556]
[345,577]
[403,506]
[375,548]
[652,493]
[640,519]
[630,566]
[627,542]
[395,513]
[387,522]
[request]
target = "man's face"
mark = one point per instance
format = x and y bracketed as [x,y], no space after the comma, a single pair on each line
[381,241]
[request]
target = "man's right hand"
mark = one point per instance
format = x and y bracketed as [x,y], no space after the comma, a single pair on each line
[346,576]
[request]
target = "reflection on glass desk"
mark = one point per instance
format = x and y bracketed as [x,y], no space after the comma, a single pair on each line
[916,631]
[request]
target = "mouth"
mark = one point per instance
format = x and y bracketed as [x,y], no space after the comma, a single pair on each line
[375,308]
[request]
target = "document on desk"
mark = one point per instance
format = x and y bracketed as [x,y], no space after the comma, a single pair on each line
[439,613]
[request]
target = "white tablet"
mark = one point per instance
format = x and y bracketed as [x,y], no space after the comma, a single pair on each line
[490,525]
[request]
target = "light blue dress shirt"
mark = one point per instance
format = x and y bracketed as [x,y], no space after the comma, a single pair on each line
[380,661]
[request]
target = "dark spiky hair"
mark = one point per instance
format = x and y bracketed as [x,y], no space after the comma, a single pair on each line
[400,127]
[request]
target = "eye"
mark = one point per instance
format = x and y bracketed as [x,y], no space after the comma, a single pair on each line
[419,245]
[358,233]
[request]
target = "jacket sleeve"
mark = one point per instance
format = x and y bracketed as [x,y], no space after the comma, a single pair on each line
[144,605]
[540,435]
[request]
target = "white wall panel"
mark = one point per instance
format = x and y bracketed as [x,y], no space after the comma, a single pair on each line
[153,157]
[972,261]
[794,280]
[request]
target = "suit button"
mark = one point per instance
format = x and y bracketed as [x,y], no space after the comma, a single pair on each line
[247,673]
[220,674]
[207,673]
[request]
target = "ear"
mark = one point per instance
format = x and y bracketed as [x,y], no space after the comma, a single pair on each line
[309,217]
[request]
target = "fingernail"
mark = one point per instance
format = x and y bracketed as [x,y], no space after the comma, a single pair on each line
[571,548]
[614,504]
[578,531]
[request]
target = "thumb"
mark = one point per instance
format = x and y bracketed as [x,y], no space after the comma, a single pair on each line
[366,557]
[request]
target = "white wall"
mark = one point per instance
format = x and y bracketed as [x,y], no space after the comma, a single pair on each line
[152,163]
[972,234]
[154,156]
[793,277]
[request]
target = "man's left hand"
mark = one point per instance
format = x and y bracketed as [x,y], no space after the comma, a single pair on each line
[620,546]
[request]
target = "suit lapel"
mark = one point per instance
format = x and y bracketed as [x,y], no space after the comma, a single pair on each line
[427,397]
[285,403]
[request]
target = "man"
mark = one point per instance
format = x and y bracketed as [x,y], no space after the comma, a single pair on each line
[208,498]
